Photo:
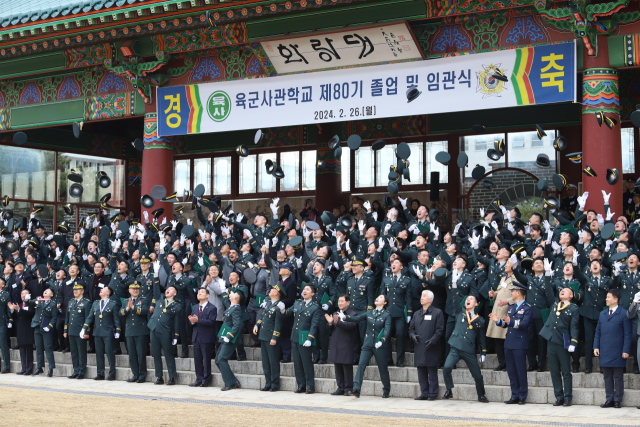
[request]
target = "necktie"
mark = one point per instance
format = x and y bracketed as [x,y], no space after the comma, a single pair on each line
[200,313]
[610,312]
[395,280]
[633,276]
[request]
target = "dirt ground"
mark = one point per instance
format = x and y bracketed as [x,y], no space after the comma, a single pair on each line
[35,408]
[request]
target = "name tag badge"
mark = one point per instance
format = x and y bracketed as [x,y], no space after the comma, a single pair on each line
[427,317]
[69,282]
[101,285]
[26,308]
[14,286]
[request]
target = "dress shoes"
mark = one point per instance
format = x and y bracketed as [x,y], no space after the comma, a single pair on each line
[636,370]
[72,377]
[4,371]
[205,384]
[275,389]
[99,378]
[265,389]
[172,381]
[483,399]
[500,367]
[140,380]
[132,380]
[310,391]
[20,373]
[447,394]
[355,393]
[530,369]
[558,402]
[338,392]
[242,358]
[111,378]
[400,364]
[287,360]
[231,387]
[617,405]
[432,398]
[322,362]
[66,350]
[91,350]
[301,390]
[196,384]
[587,371]
[159,381]
[540,370]
[575,370]
[421,398]
[50,373]
[607,404]
[512,401]
[37,372]
[80,377]
[385,395]
[567,402]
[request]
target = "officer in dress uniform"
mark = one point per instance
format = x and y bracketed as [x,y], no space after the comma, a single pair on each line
[77,312]
[469,328]
[230,333]
[268,330]
[164,327]
[104,314]
[516,321]
[360,288]
[561,333]
[324,285]
[43,326]
[234,285]
[183,285]
[397,286]
[306,320]
[135,312]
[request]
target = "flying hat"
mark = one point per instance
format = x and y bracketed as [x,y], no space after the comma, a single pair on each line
[7,214]
[543,185]
[540,132]
[77,129]
[518,247]
[68,209]
[242,150]
[157,213]
[463,160]
[550,203]
[63,227]
[588,170]
[103,179]
[278,172]
[377,145]
[105,198]
[270,166]
[493,154]
[543,161]
[412,94]
[487,183]
[559,181]
[187,196]
[612,176]
[334,142]
[313,226]
[608,231]
[19,138]
[403,151]
[443,158]
[198,191]
[635,118]
[354,142]
[147,201]
[499,75]
[434,215]
[171,198]
[620,256]
[560,143]
[249,276]
[500,146]
[389,202]
[526,263]
[5,201]
[328,218]
[138,144]
[440,273]
[477,128]
[73,176]
[296,243]
[337,152]
[608,121]
[393,188]
[75,190]
[575,157]
[178,210]
[259,136]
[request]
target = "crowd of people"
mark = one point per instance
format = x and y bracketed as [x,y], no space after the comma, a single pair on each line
[332,288]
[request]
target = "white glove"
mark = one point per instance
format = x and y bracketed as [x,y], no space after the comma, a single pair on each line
[132,230]
[361,225]
[225,230]
[82,333]
[85,257]
[379,344]
[164,220]
[523,254]
[508,215]
[606,196]
[481,212]
[482,358]
[494,225]
[408,319]
[580,236]
[223,287]
[141,228]
[46,328]
[513,259]
[33,215]
[503,210]
[189,222]
[475,240]
[436,232]
[25,243]
[116,335]
[145,214]
[16,236]
[81,233]
[182,239]
[485,233]
[403,202]
[608,245]
[610,214]
[547,265]
[456,228]
[600,220]
[416,270]
[140,235]
[185,260]
[342,316]
[27,297]
[510,228]
[374,215]
[380,244]
[387,228]
[636,298]
[161,236]
[200,261]
[96,223]
[298,262]
[9,325]
[118,234]
[175,341]
[201,233]
[307,343]
[306,233]
[555,246]
[156,268]
[325,307]
[280,305]
[367,205]
[617,265]
[264,304]
[248,233]
[274,242]
[527,229]
[113,227]
[392,243]
[58,252]
[239,217]
[574,261]
[571,348]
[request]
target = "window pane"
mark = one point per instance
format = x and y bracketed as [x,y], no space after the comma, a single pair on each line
[416,163]
[628,151]
[345,169]
[309,170]
[202,172]
[291,167]
[385,157]
[248,174]
[182,176]
[434,148]
[525,147]
[266,182]
[88,167]
[222,175]
[364,167]
[26,173]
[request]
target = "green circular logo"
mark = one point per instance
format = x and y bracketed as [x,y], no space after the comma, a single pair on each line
[219,106]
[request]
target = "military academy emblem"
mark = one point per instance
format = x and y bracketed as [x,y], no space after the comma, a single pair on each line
[488,84]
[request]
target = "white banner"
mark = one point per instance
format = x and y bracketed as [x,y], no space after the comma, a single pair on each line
[537,75]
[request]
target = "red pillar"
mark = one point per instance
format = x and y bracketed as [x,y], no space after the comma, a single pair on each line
[157,164]
[601,146]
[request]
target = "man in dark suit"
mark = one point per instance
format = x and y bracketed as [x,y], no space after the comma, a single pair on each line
[203,318]
[612,343]
[516,345]
[426,330]
[344,337]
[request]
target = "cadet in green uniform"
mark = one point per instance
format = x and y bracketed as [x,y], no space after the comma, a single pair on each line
[376,342]
[135,312]
[469,328]
[324,285]
[234,286]
[360,288]
[268,330]
[230,333]
[306,319]
[563,320]
[77,312]
[164,334]
[5,324]
[183,286]
[104,314]
[43,325]
[147,283]
[397,286]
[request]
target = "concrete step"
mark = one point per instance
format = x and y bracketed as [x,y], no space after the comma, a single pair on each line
[495,393]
